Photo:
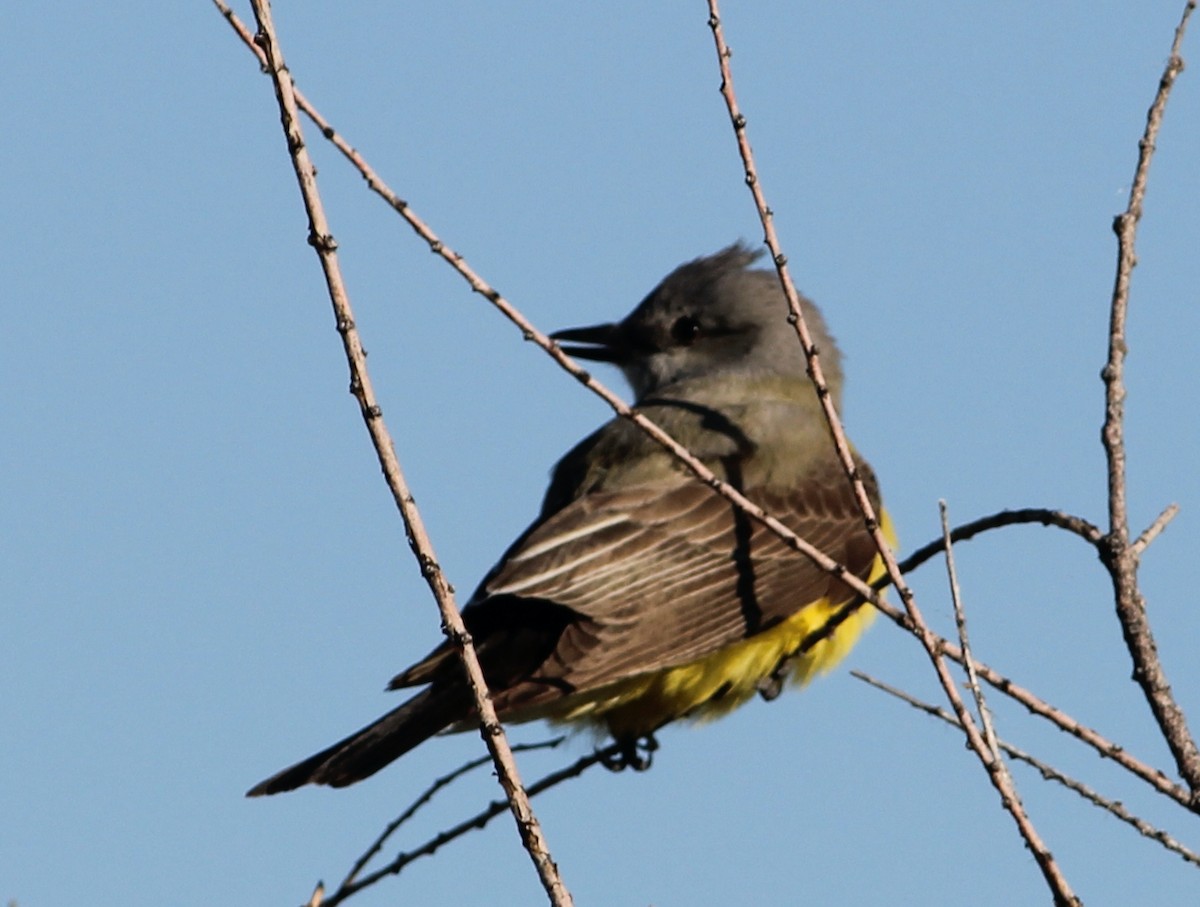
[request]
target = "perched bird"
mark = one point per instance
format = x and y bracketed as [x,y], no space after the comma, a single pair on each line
[638,596]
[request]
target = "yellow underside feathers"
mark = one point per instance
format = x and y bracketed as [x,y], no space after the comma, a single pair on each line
[718,683]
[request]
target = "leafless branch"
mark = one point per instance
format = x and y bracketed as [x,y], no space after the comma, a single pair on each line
[1048,772]
[1102,745]
[1034,704]
[960,622]
[1151,532]
[993,759]
[1037,706]
[321,239]
[479,820]
[1050,871]
[1073,524]
[1119,556]
[427,795]
[796,317]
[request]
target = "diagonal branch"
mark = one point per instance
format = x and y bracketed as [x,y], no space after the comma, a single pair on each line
[413,808]
[1037,706]
[994,764]
[960,621]
[1151,532]
[323,242]
[1047,771]
[933,646]
[1034,704]
[479,820]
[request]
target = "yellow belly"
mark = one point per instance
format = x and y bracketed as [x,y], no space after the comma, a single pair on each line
[718,683]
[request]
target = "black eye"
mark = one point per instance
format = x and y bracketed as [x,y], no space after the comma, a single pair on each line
[685,330]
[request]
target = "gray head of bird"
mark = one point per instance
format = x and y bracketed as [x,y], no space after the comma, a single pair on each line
[711,319]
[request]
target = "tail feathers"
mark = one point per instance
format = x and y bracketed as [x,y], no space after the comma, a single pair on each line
[365,752]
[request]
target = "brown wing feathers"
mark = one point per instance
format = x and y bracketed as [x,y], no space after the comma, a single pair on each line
[612,586]
[657,579]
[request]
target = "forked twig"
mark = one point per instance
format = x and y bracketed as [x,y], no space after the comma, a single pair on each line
[1037,706]
[1118,554]
[1151,532]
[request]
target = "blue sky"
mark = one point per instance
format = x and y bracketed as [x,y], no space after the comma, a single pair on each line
[204,578]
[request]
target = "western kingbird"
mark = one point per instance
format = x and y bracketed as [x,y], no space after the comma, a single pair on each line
[638,596]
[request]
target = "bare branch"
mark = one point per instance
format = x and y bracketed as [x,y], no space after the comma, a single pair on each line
[1048,772]
[1072,524]
[438,783]
[1054,878]
[796,316]
[321,239]
[1119,556]
[993,759]
[960,622]
[1037,706]
[1104,747]
[479,820]
[1151,532]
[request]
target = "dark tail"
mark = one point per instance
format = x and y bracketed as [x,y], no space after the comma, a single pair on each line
[365,752]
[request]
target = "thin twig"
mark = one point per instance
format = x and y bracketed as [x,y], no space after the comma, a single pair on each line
[479,820]
[1034,704]
[438,783]
[997,767]
[1151,532]
[1119,556]
[1048,772]
[960,622]
[1102,745]
[796,317]
[321,238]
[1073,524]
[1050,871]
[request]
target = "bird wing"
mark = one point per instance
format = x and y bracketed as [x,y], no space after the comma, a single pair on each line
[661,577]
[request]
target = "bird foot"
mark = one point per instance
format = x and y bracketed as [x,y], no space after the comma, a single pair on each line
[636,753]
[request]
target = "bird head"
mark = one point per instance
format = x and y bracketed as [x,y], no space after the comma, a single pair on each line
[711,318]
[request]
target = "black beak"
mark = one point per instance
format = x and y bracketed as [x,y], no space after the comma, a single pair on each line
[606,343]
